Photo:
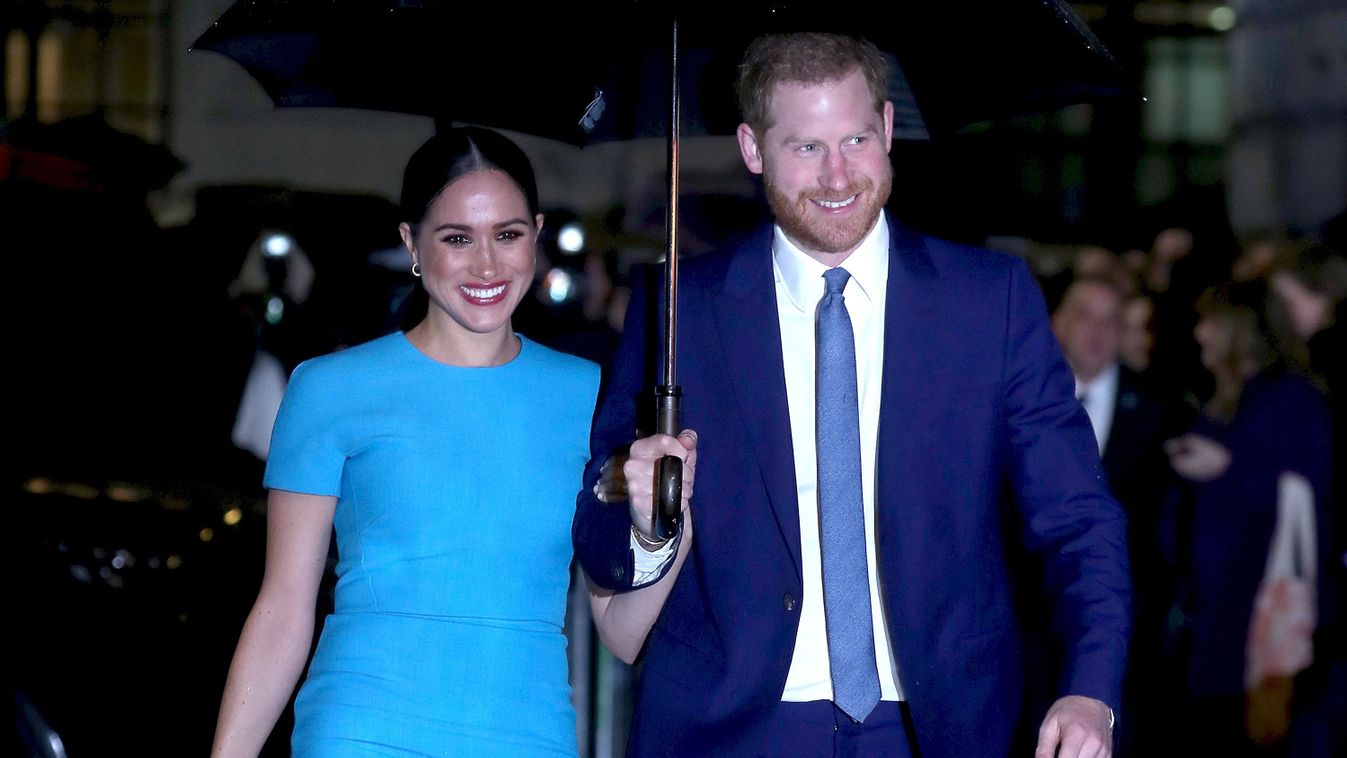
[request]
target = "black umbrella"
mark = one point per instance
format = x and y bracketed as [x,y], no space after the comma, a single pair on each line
[610,69]
[597,70]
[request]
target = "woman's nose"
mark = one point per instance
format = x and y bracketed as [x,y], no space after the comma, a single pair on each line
[483,262]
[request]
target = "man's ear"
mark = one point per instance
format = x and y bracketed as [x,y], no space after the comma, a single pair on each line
[749,148]
[888,126]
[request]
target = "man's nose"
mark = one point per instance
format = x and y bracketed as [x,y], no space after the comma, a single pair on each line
[836,172]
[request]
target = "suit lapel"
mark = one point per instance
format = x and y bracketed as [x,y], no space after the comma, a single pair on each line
[909,301]
[1123,429]
[748,327]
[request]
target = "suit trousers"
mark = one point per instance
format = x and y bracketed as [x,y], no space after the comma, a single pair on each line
[820,729]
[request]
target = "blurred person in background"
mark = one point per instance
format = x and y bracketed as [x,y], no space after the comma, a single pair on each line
[1136,340]
[1262,419]
[574,282]
[1131,423]
[276,276]
[1259,251]
[1311,282]
[1176,273]
[1134,262]
[1171,246]
[1096,262]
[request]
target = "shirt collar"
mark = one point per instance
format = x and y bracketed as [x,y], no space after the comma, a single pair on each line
[802,276]
[1106,381]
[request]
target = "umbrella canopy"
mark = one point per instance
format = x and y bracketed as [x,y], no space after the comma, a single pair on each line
[597,70]
[623,69]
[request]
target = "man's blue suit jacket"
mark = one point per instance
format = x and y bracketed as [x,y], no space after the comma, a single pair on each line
[983,451]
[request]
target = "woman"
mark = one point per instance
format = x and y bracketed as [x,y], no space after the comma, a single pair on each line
[447,458]
[1311,280]
[1261,421]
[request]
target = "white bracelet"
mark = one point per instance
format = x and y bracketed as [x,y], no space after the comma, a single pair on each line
[645,542]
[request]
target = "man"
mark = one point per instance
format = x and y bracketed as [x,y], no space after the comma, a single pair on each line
[1131,424]
[841,584]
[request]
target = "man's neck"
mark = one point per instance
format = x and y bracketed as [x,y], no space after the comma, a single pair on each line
[1085,381]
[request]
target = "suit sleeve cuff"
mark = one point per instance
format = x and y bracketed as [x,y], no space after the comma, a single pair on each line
[650,564]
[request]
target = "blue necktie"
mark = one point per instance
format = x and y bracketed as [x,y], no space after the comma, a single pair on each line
[846,577]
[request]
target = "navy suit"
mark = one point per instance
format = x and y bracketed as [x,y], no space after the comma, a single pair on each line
[977,402]
[1134,458]
[1138,472]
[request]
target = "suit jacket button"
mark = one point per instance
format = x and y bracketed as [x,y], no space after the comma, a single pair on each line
[788,602]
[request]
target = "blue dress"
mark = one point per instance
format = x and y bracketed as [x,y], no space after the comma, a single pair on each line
[456,487]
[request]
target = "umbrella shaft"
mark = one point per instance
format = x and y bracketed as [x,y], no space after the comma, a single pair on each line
[671,255]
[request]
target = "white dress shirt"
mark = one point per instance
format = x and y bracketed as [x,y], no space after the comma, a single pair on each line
[799,287]
[1099,396]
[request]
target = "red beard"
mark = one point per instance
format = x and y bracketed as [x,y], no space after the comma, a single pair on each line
[799,218]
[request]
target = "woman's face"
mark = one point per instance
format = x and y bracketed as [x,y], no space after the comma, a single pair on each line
[476,249]
[1215,335]
[1136,339]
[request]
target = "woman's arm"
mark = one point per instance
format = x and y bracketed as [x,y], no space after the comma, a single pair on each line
[278,634]
[624,619]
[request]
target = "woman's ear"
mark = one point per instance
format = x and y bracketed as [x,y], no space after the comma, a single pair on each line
[409,241]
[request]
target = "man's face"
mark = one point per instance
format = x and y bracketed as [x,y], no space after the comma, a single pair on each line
[825,163]
[1087,325]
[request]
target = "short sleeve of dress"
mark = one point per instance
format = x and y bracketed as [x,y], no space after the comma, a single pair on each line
[306,451]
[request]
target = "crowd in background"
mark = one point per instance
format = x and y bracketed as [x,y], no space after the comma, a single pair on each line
[1204,393]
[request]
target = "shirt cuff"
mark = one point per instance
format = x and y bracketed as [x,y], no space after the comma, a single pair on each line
[649,564]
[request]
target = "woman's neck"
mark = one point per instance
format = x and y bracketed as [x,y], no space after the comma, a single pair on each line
[453,345]
[1229,388]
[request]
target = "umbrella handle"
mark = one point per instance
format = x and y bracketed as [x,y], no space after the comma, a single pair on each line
[668,513]
[668,507]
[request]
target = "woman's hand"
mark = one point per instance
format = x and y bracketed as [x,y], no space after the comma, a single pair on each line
[1197,458]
